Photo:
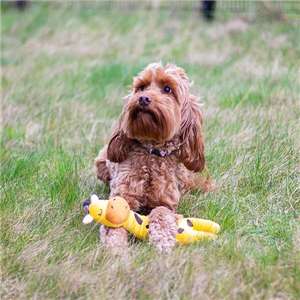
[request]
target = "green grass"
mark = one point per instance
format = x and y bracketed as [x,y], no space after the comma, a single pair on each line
[65,69]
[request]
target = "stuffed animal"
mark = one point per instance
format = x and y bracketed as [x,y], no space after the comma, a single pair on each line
[115,212]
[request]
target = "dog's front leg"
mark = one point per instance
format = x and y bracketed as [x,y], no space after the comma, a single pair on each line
[162,228]
[114,239]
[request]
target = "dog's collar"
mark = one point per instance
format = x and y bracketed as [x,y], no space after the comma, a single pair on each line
[160,152]
[163,150]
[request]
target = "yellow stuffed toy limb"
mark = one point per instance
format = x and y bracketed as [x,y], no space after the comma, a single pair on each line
[194,229]
[116,213]
[201,224]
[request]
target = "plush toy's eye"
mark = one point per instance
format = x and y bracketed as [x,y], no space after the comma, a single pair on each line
[167,89]
[100,212]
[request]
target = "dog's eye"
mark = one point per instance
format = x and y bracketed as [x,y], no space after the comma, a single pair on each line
[167,89]
[141,88]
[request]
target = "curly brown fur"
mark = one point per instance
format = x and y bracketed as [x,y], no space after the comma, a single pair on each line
[101,169]
[115,239]
[162,228]
[160,114]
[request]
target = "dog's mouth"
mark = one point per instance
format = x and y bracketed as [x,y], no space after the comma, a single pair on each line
[147,123]
[138,112]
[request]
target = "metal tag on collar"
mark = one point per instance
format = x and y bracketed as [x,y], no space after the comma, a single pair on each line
[158,152]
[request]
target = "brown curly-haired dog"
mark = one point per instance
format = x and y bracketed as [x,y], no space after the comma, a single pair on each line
[154,154]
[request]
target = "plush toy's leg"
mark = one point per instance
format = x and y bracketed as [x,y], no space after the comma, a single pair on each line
[115,240]
[205,225]
[162,228]
[203,235]
[101,168]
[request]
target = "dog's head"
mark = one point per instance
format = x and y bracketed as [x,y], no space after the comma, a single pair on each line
[159,108]
[154,107]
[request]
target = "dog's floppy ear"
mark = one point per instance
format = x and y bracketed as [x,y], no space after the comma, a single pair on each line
[191,153]
[119,145]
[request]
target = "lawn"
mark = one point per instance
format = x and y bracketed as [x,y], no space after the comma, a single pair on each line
[65,69]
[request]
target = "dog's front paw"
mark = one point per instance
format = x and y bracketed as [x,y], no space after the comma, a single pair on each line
[162,229]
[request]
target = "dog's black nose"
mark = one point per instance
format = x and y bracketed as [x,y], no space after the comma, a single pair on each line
[144,101]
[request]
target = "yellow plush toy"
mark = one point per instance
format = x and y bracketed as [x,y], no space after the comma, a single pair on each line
[116,213]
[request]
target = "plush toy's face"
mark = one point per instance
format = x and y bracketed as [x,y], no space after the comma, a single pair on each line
[114,211]
[117,210]
[96,211]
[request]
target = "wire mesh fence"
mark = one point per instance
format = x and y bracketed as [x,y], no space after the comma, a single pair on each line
[240,7]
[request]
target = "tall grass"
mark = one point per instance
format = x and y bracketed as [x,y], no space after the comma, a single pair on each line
[65,69]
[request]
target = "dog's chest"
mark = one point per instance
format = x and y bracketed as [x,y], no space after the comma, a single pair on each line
[146,175]
[149,168]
